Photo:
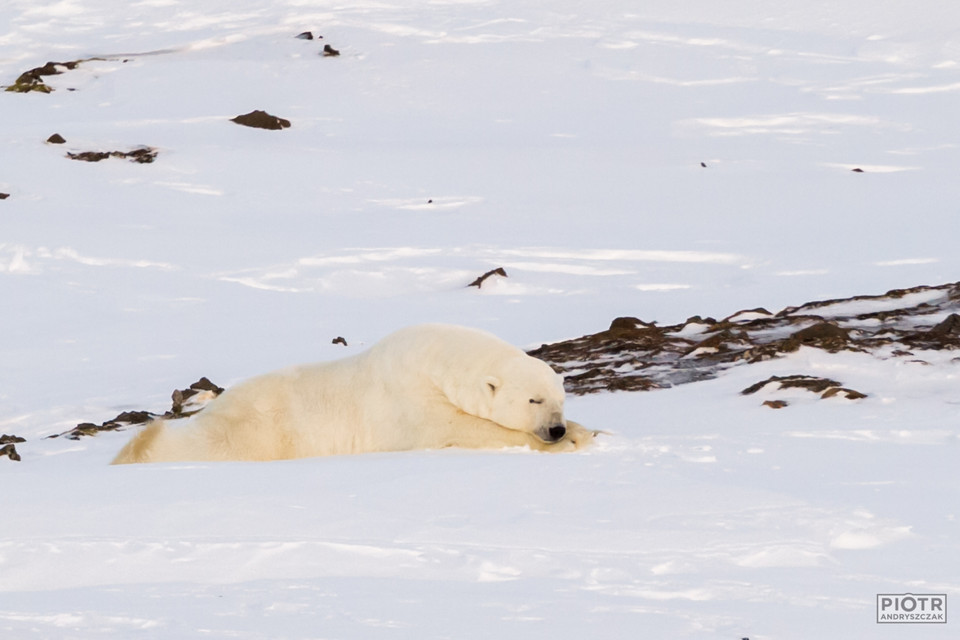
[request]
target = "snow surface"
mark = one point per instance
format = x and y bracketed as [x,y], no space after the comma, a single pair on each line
[562,141]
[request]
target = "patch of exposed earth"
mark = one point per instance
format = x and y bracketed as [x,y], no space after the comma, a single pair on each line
[32,80]
[633,355]
[140,155]
[186,402]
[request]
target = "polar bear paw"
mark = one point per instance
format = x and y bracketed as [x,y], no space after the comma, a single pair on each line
[577,437]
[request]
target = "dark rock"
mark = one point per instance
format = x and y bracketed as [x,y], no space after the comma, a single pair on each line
[329,52]
[735,318]
[261,120]
[10,451]
[89,156]
[127,418]
[204,384]
[949,327]
[181,397]
[821,332]
[5,439]
[56,139]
[32,80]
[134,417]
[306,35]
[141,155]
[775,404]
[810,383]
[340,340]
[493,272]
[849,394]
[722,341]
[4,196]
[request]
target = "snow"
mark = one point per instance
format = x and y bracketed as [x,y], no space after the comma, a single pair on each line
[562,142]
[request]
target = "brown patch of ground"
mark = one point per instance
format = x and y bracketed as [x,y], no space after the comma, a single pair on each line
[826,387]
[140,155]
[32,80]
[186,402]
[636,355]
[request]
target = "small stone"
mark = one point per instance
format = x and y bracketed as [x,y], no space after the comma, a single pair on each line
[849,394]
[204,384]
[329,51]
[306,35]
[499,271]
[261,120]
[11,452]
[56,139]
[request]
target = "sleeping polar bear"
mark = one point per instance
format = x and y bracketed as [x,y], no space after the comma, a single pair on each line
[423,387]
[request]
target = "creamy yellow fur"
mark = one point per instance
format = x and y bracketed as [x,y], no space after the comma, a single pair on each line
[424,387]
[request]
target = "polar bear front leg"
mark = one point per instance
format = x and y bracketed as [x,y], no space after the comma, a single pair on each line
[577,437]
[459,429]
[471,432]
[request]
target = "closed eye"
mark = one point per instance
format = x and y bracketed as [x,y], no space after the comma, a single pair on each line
[534,401]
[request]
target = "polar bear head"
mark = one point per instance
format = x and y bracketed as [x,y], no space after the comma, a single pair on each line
[525,394]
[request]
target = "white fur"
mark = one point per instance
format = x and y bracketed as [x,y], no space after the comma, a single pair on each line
[424,387]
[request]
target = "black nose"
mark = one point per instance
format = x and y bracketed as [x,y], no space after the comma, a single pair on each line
[557,432]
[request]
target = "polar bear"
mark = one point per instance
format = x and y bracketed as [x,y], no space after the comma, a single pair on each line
[424,387]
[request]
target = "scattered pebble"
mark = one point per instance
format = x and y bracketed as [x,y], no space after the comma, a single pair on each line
[261,120]
[493,272]
[10,451]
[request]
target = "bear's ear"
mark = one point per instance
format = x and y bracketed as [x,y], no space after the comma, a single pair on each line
[491,384]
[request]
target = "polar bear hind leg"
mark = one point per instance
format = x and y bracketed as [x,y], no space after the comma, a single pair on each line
[141,446]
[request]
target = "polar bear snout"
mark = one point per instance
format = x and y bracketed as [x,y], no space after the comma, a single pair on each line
[551,434]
